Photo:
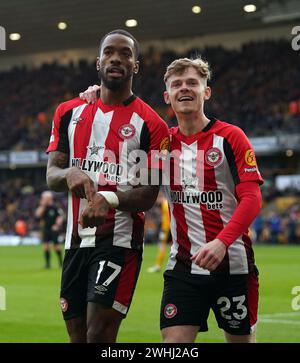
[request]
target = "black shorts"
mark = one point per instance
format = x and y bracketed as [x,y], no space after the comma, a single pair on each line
[104,275]
[187,300]
[50,236]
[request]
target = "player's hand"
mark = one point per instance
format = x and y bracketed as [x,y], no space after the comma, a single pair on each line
[43,203]
[80,184]
[210,256]
[90,94]
[95,212]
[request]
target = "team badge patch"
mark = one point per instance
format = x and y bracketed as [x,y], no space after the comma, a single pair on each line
[170,311]
[250,158]
[213,156]
[126,131]
[64,304]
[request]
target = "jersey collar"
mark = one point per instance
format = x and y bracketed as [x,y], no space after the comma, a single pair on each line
[129,100]
[108,108]
[209,125]
[193,137]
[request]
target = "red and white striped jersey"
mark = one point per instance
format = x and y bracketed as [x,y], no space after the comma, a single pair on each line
[209,165]
[98,139]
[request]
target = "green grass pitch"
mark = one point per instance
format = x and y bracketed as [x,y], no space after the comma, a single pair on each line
[33,315]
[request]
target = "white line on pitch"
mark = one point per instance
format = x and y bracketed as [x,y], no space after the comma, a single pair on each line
[280,314]
[277,321]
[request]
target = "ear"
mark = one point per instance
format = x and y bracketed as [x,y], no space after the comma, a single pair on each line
[207,93]
[98,64]
[136,67]
[167,98]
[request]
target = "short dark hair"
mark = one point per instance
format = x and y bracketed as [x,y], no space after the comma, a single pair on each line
[127,34]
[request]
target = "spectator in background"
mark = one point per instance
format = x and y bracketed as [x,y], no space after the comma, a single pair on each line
[52,220]
[258,226]
[164,233]
[268,104]
[21,228]
[292,227]
[275,227]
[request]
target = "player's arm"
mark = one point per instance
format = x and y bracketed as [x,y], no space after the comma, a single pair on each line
[250,201]
[138,199]
[142,197]
[246,176]
[135,200]
[91,94]
[39,212]
[57,170]
[61,178]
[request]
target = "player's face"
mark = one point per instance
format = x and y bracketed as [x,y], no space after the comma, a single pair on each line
[117,64]
[187,92]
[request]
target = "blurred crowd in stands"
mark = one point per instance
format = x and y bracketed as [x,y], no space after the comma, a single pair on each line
[277,227]
[256,88]
[19,197]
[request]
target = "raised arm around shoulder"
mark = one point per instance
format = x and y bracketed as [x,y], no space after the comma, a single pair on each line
[91,94]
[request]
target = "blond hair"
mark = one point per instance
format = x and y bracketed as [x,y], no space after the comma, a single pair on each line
[178,66]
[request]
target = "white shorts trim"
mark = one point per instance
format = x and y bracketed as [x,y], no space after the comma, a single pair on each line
[120,308]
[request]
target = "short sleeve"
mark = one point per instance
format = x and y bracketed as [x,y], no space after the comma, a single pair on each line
[59,140]
[155,140]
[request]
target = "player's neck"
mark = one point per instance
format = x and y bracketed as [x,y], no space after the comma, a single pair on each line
[109,97]
[190,124]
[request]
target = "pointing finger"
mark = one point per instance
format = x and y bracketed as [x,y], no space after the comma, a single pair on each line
[89,190]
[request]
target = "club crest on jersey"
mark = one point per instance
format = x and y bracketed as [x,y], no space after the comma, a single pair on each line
[64,304]
[214,156]
[170,311]
[126,131]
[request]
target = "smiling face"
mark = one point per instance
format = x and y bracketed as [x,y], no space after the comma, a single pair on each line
[187,92]
[117,62]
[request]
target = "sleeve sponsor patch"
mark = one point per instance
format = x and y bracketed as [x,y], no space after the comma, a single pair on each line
[250,158]
[164,145]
